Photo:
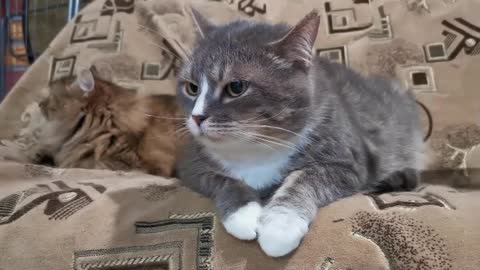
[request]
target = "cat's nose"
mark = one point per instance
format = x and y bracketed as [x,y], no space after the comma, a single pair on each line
[199,118]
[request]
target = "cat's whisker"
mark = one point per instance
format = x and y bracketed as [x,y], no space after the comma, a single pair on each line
[181,133]
[287,143]
[250,120]
[255,140]
[181,126]
[273,142]
[183,78]
[277,128]
[161,117]
[231,127]
[151,30]
[275,139]
[284,142]
[164,49]
[260,143]
[185,52]
[248,138]
[159,45]
[181,129]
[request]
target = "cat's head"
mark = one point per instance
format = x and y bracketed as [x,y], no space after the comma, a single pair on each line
[67,97]
[248,82]
[71,99]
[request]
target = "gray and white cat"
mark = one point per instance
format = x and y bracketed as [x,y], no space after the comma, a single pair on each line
[277,133]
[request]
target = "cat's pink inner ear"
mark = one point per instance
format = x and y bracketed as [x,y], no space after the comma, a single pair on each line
[298,43]
[204,26]
[85,80]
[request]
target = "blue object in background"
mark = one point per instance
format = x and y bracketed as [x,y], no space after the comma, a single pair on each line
[39,22]
[3,37]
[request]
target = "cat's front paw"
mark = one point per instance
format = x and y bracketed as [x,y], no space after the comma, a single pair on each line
[280,232]
[243,223]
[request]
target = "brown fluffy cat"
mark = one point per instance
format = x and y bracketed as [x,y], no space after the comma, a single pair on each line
[88,122]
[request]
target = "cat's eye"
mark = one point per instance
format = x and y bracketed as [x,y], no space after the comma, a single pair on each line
[236,88]
[191,89]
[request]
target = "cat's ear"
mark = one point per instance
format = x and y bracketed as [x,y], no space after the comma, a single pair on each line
[84,81]
[204,26]
[297,44]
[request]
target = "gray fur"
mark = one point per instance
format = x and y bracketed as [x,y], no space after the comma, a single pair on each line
[348,133]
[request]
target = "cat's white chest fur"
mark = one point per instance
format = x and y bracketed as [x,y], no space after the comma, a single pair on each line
[257,173]
[257,166]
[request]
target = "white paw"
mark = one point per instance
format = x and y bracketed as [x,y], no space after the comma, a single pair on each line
[280,232]
[243,223]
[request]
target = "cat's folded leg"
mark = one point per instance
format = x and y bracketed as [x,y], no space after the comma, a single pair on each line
[280,230]
[238,205]
[285,219]
[243,223]
[239,208]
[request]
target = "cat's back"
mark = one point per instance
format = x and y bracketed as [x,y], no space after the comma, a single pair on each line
[368,98]
[375,112]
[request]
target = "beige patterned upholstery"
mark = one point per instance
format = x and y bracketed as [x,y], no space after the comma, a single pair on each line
[87,219]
